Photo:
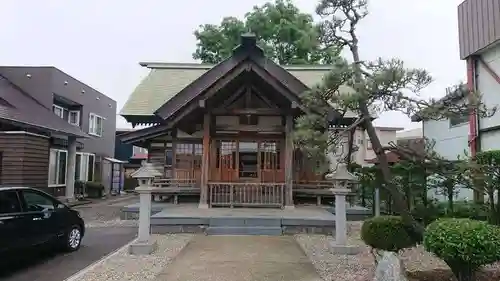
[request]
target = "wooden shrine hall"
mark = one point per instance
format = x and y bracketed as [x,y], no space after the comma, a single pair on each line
[225,131]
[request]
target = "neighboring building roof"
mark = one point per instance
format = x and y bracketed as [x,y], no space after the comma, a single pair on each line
[391,158]
[452,96]
[23,110]
[410,134]
[478,25]
[165,80]
[139,156]
[389,129]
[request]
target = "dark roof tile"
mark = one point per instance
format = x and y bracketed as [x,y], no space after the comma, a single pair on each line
[18,107]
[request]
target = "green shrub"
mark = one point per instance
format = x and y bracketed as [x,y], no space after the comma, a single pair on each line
[464,244]
[386,233]
[468,210]
[130,183]
[429,213]
[94,189]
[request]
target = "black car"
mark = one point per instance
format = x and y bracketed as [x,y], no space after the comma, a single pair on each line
[30,218]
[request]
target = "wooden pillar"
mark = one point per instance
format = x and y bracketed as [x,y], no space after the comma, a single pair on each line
[174,153]
[289,162]
[205,162]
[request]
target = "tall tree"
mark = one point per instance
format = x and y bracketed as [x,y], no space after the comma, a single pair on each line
[381,85]
[287,35]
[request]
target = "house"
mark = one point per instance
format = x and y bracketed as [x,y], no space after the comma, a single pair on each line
[131,154]
[479,39]
[228,127]
[363,153]
[412,139]
[54,129]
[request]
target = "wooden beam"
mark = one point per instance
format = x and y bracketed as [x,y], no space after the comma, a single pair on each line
[289,162]
[264,98]
[277,86]
[174,152]
[205,161]
[248,97]
[250,128]
[233,97]
[249,111]
[243,67]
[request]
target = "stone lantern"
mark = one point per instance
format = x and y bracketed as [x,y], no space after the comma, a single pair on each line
[343,182]
[145,176]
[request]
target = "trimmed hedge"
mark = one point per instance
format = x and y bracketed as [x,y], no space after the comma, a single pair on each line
[464,244]
[386,233]
[94,189]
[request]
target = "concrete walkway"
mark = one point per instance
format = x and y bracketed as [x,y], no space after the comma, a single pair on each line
[242,258]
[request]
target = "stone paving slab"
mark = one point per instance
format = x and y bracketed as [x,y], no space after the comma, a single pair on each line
[242,258]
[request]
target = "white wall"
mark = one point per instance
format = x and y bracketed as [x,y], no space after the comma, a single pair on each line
[489,88]
[450,141]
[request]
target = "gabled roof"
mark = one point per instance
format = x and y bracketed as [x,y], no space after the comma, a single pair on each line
[22,110]
[166,80]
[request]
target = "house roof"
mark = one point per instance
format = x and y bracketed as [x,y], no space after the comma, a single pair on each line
[391,158]
[165,80]
[20,109]
[452,96]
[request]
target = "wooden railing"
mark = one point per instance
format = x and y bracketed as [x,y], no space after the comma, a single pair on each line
[177,185]
[312,187]
[246,194]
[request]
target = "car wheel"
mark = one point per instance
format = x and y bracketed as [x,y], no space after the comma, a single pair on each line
[73,239]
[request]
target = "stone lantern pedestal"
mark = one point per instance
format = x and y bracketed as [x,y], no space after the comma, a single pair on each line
[144,245]
[343,180]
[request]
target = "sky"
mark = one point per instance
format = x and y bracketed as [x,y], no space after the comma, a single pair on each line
[102,42]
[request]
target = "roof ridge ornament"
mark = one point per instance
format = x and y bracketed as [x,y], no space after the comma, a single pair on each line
[248,44]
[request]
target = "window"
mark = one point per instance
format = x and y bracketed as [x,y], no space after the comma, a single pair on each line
[57,167]
[368,144]
[9,202]
[58,110]
[84,168]
[74,117]
[459,119]
[37,202]
[95,125]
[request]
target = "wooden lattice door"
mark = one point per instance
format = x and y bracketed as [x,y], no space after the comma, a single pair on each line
[271,169]
[225,161]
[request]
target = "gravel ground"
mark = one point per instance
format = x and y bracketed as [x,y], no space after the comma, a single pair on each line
[419,264]
[106,213]
[126,267]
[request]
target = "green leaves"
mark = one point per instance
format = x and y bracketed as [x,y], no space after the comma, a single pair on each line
[463,243]
[286,35]
[387,233]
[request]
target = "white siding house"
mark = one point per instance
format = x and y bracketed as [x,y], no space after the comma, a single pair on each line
[451,137]
[481,52]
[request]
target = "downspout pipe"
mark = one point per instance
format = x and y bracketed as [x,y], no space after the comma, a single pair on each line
[474,141]
[473,118]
